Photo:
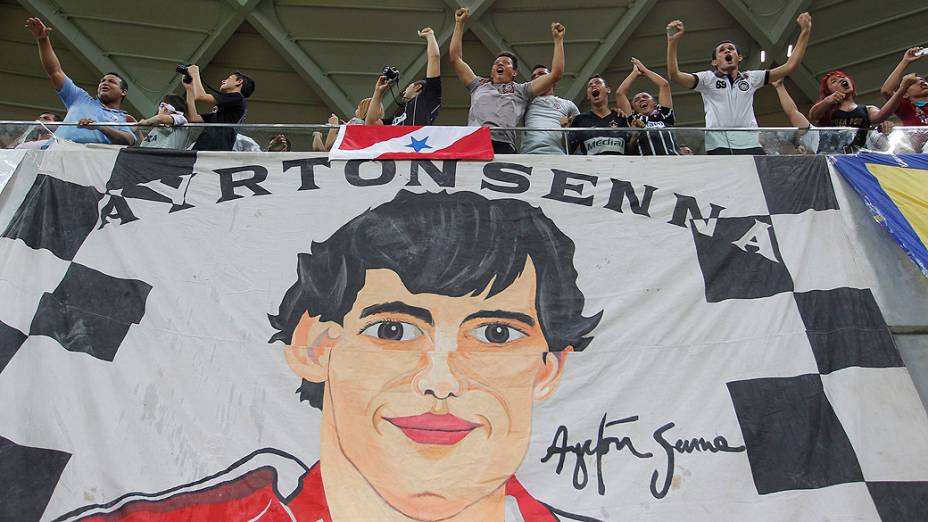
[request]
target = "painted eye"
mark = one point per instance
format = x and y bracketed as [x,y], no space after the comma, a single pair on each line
[392,331]
[496,333]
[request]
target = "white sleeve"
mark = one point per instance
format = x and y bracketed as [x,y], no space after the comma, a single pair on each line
[757,79]
[704,80]
[179,119]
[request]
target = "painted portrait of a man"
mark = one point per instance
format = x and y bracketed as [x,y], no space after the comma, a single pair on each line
[424,329]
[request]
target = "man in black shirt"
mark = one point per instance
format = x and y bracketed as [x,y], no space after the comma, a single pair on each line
[600,115]
[230,105]
[421,100]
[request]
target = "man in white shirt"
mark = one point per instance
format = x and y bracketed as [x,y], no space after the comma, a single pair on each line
[727,92]
[546,111]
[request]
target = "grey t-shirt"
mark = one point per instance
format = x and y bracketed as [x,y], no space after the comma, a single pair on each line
[498,105]
[545,112]
[177,137]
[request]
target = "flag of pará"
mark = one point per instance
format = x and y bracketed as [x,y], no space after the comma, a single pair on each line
[411,142]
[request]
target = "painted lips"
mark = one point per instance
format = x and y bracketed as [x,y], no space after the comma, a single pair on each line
[430,428]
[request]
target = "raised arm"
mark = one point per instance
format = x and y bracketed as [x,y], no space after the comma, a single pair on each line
[199,93]
[621,94]
[333,132]
[663,97]
[46,54]
[799,51]
[455,51]
[675,32]
[192,115]
[880,115]
[376,105]
[892,81]
[543,83]
[433,70]
[796,118]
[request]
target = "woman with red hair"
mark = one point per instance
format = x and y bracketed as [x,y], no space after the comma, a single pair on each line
[836,108]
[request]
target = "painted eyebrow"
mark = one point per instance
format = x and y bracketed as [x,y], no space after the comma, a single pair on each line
[501,314]
[398,307]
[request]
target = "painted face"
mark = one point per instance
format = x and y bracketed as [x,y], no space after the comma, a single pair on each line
[644,103]
[841,83]
[727,57]
[503,70]
[597,91]
[110,88]
[432,395]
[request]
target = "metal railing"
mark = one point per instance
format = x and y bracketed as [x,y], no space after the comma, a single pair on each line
[635,141]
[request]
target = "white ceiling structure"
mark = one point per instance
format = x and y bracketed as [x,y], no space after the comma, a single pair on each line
[311,58]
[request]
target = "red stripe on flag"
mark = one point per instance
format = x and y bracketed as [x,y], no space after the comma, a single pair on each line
[363,136]
[474,146]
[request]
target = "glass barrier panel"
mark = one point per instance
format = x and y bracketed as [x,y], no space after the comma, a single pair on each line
[623,140]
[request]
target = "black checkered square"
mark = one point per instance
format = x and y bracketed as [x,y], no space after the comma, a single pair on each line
[29,479]
[10,341]
[135,167]
[91,312]
[846,328]
[900,501]
[56,215]
[793,437]
[795,184]
[733,272]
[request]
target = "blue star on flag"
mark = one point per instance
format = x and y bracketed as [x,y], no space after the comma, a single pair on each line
[418,145]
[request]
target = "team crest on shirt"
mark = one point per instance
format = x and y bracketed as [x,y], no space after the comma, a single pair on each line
[506,88]
[743,85]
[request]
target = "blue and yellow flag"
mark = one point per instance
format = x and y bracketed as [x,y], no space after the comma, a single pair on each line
[895,189]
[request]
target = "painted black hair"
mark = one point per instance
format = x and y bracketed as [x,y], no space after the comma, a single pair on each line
[449,244]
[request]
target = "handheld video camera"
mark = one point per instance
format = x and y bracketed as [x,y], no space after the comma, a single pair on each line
[182,69]
[392,74]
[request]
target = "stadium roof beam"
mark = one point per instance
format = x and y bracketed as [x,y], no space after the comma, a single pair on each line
[89,51]
[263,19]
[611,44]
[776,39]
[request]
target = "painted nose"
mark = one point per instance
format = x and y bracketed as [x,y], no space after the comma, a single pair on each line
[437,379]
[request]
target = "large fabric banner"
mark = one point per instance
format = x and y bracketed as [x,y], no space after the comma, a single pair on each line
[895,189]
[269,337]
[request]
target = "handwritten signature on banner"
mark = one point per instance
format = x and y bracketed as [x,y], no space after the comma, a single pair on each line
[561,448]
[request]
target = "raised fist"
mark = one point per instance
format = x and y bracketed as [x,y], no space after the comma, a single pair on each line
[38,29]
[461,15]
[805,22]
[912,54]
[557,30]
[836,97]
[425,33]
[675,30]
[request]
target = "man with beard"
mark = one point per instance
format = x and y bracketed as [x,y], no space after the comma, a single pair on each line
[84,109]
[608,142]
[501,101]
[727,92]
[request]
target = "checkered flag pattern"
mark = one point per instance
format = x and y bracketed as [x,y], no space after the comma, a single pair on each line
[823,423]
[830,426]
[83,310]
